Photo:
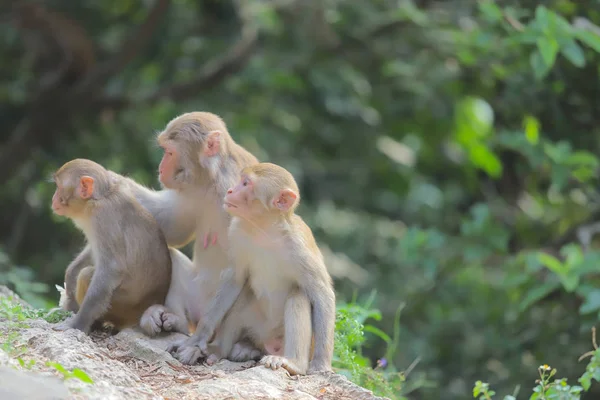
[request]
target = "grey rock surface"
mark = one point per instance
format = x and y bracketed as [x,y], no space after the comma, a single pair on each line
[130,365]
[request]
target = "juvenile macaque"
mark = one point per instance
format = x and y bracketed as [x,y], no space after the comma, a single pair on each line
[131,264]
[173,314]
[275,254]
[61,49]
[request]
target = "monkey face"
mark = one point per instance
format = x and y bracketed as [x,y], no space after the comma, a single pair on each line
[59,205]
[241,200]
[69,200]
[169,165]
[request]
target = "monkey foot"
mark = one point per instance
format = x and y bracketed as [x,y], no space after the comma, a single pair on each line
[318,368]
[275,362]
[152,320]
[244,352]
[212,359]
[189,355]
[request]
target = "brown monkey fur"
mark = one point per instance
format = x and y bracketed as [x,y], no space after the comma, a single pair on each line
[131,262]
[274,253]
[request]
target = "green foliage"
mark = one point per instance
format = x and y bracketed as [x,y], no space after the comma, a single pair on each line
[349,340]
[76,373]
[446,153]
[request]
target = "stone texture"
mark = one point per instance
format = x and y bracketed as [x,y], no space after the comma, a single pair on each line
[130,365]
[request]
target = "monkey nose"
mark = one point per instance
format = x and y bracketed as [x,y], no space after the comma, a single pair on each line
[229,191]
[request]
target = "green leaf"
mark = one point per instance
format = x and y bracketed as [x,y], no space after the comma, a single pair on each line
[590,38]
[532,129]
[490,10]
[586,381]
[485,159]
[574,53]
[538,293]
[582,158]
[548,48]
[540,68]
[591,303]
[82,376]
[378,332]
[552,263]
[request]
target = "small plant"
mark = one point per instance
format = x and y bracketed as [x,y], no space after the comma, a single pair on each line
[26,365]
[348,359]
[548,388]
[76,373]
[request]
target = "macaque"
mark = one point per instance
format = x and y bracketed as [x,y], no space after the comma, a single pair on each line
[275,254]
[61,48]
[200,162]
[178,231]
[131,264]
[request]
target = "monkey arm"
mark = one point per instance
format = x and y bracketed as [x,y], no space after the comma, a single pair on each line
[83,259]
[317,285]
[167,207]
[107,277]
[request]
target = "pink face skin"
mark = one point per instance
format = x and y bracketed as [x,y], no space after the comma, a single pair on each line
[168,165]
[57,206]
[84,191]
[238,199]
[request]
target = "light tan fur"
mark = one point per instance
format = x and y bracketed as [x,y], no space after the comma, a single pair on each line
[276,256]
[201,160]
[131,265]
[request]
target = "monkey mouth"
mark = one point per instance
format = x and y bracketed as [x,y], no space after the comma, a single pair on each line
[230,205]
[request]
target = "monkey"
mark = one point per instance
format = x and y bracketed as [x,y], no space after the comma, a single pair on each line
[131,261]
[274,253]
[178,231]
[200,162]
[61,49]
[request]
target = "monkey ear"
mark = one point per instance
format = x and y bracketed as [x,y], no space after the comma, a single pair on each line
[86,187]
[213,143]
[285,200]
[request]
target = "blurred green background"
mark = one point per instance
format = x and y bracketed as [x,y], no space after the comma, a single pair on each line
[446,153]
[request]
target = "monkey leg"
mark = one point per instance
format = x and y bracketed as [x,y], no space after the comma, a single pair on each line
[121,313]
[297,336]
[83,283]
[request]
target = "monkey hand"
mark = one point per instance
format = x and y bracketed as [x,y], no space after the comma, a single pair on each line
[189,355]
[71,323]
[62,326]
[318,368]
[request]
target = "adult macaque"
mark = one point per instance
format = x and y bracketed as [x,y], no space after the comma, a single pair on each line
[131,263]
[275,254]
[201,160]
[61,48]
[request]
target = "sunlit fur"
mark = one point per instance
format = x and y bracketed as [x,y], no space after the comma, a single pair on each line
[275,254]
[201,161]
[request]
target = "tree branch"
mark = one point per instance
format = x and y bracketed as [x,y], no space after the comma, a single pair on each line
[213,72]
[129,50]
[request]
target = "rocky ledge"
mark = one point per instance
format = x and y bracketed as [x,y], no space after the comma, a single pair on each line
[130,365]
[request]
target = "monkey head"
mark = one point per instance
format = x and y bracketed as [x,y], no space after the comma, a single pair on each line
[192,145]
[78,182]
[264,190]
